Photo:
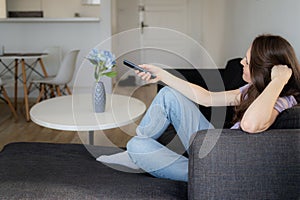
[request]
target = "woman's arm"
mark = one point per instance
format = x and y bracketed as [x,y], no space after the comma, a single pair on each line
[192,91]
[261,113]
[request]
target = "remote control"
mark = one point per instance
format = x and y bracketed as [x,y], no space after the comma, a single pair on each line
[134,66]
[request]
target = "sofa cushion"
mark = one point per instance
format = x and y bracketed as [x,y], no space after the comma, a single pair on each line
[288,119]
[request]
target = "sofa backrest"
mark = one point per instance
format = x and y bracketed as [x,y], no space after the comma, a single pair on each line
[288,119]
[232,74]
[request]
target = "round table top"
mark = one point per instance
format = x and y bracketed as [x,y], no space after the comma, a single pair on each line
[75,112]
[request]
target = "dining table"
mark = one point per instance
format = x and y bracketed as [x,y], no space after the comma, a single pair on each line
[29,63]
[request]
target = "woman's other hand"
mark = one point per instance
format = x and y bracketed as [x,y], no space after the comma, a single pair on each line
[281,72]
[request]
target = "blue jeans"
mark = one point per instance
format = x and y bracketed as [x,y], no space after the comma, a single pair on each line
[168,107]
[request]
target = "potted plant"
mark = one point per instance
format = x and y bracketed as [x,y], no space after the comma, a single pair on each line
[103,61]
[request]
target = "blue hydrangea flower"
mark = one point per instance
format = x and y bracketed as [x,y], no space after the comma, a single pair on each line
[103,61]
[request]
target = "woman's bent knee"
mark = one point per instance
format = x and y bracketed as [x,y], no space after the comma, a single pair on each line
[140,144]
[136,144]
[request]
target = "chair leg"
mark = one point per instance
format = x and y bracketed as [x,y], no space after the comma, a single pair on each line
[58,90]
[51,89]
[68,90]
[9,102]
[42,91]
[47,93]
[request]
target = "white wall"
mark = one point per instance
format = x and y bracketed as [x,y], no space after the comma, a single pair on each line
[195,19]
[213,24]
[226,28]
[229,26]
[37,36]
[2,8]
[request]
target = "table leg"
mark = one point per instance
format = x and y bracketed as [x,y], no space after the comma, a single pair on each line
[91,137]
[25,90]
[16,84]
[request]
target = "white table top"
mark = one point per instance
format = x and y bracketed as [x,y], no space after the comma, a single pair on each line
[75,112]
[23,55]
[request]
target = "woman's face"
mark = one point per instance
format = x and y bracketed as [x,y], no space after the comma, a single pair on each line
[245,62]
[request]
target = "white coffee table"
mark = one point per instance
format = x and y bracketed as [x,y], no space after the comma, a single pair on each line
[75,113]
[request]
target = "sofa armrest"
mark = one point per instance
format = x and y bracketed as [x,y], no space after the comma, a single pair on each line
[246,166]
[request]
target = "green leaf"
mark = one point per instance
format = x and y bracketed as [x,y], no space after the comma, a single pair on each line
[110,74]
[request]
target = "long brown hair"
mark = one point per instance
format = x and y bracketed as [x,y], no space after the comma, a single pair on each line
[267,51]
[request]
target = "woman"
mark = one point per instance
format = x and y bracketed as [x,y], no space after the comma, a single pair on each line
[272,72]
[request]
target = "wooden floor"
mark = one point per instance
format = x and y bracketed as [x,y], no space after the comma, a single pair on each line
[22,131]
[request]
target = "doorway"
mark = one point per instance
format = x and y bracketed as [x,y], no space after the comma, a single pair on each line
[157,31]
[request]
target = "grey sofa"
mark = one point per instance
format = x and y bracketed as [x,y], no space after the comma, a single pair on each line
[240,166]
[245,166]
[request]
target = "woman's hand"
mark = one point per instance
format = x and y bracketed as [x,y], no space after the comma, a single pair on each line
[281,72]
[157,71]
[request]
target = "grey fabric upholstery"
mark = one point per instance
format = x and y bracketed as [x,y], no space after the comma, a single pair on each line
[69,171]
[288,119]
[247,166]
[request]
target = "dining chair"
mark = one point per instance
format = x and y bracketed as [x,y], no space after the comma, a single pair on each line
[5,98]
[57,85]
[53,59]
